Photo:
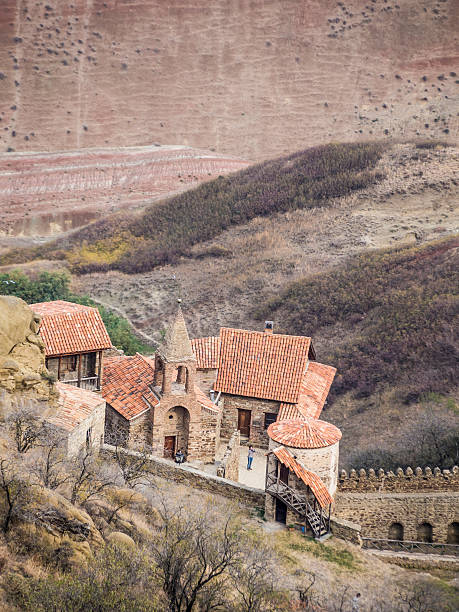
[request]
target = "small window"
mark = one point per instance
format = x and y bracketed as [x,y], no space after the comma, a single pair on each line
[88,437]
[270,417]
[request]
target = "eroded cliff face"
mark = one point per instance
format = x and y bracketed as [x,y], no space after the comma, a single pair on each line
[253,79]
[22,352]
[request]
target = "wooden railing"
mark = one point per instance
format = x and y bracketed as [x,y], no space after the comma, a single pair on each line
[90,383]
[430,548]
[319,524]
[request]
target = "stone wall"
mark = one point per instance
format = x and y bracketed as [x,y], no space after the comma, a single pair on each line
[205,379]
[400,481]
[96,422]
[191,477]
[257,407]
[323,461]
[140,430]
[116,427]
[346,530]
[209,434]
[376,512]
[229,467]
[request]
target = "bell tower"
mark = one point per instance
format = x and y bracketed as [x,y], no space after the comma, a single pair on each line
[175,362]
[177,417]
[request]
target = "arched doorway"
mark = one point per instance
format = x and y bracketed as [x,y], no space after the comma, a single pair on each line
[176,430]
[424,532]
[396,531]
[453,533]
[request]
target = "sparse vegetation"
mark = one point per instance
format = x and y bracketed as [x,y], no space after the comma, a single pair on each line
[167,230]
[396,312]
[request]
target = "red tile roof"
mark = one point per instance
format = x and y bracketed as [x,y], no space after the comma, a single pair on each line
[205,401]
[68,328]
[207,352]
[257,364]
[304,433]
[311,479]
[74,406]
[314,390]
[126,385]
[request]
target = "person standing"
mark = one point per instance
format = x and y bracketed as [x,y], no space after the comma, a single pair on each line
[356,603]
[250,455]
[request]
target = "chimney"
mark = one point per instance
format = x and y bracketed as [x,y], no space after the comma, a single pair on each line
[269,325]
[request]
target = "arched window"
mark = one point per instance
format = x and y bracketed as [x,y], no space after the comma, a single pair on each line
[453,533]
[424,532]
[396,531]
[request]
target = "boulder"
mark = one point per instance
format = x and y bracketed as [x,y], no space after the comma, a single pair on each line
[118,538]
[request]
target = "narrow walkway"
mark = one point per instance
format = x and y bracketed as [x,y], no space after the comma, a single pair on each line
[415,560]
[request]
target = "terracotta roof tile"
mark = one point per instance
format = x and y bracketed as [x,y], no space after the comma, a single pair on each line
[126,384]
[314,390]
[304,433]
[257,364]
[311,479]
[68,328]
[207,352]
[74,406]
[205,401]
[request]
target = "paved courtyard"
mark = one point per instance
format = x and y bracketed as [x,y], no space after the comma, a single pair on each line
[256,476]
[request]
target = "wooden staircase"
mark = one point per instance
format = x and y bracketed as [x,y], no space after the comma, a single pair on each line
[320,525]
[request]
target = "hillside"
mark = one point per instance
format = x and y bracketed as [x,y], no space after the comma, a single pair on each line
[46,194]
[255,79]
[168,229]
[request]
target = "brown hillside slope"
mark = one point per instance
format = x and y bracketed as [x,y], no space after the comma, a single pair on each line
[43,194]
[253,79]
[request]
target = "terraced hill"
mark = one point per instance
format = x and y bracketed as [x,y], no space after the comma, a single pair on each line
[45,194]
[252,79]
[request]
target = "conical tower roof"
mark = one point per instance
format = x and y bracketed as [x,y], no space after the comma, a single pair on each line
[176,345]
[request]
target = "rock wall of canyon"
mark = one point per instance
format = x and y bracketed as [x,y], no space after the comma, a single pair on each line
[250,78]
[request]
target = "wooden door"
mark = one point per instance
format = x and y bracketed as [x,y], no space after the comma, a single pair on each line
[243,422]
[281,511]
[169,447]
[283,473]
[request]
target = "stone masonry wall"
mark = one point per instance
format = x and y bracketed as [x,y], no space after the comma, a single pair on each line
[229,467]
[210,434]
[95,422]
[257,407]
[189,476]
[400,481]
[375,512]
[116,427]
[323,461]
[205,379]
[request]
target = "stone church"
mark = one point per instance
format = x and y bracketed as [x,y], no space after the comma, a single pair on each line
[193,393]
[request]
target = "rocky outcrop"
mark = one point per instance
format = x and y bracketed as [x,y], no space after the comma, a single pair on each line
[22,352]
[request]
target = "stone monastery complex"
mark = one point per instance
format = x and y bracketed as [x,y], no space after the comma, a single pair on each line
[209,395]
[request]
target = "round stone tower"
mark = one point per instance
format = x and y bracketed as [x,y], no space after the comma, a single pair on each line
[313,443]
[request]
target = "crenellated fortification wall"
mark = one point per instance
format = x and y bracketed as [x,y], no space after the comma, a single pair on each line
[419,505]
[400,481]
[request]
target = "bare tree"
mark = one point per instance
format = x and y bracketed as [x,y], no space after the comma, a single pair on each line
[48,461]
[15,489]
[88,476]
[134,465]
[25,423]
[254,577]
[192,551]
